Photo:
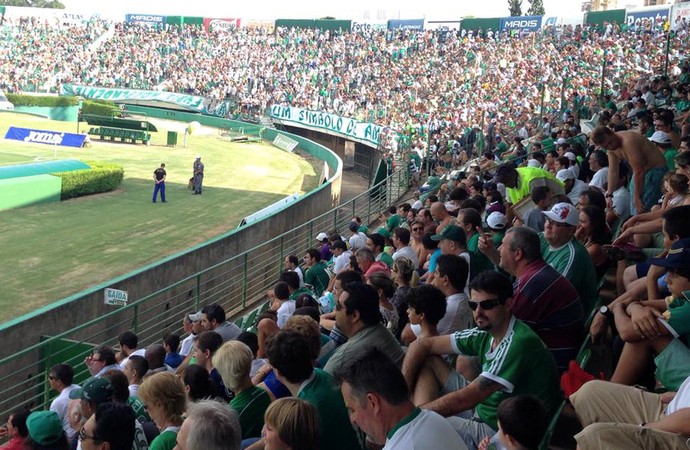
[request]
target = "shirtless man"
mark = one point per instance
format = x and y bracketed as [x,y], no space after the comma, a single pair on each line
[648,165]
[440,215]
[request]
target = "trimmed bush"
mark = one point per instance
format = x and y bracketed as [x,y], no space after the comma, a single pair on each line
[100,108]
[102,177]
[41,100]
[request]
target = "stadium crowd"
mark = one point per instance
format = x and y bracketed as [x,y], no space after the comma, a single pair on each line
[404,80]
[455,321]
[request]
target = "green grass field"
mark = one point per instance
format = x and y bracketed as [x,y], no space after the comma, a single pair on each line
[50,251]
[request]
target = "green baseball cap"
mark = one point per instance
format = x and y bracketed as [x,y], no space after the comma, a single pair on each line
[45,427]
[452,233]
[97,390]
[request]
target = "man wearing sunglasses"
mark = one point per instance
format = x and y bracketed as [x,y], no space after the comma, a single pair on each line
[512,359]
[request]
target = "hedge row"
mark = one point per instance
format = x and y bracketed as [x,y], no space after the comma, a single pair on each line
[41,100]
[100,108]
[102,177]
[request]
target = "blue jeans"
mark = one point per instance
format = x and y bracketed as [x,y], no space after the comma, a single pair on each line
[159,187]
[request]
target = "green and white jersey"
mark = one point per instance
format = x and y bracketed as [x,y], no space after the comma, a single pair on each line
[520,363]
[573,262]
[423,429]
[167,440]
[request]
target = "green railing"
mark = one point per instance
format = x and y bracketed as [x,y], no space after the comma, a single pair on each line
[237,284]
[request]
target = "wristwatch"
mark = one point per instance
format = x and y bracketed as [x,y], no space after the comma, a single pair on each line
[605,311]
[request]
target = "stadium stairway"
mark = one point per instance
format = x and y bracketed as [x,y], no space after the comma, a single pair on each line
[266,122]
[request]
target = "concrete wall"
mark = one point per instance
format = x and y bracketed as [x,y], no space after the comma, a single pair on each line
[62,113]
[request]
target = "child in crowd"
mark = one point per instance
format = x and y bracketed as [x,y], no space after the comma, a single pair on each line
[171,343]
[426,307]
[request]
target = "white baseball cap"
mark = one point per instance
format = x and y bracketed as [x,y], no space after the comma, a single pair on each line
[496,220]
[566,174]
[321,237]
[659,137]
[563,213]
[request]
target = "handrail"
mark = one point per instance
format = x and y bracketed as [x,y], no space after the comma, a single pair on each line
[252,272]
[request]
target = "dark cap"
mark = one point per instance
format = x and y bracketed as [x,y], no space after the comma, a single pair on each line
[96,390]
[452,233]
[338,244]
[678,256]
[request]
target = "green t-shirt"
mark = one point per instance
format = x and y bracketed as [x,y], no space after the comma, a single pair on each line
[300,291]
[317,277]
[393,222]
[501,148]
[385,258]
[167,440]
[251,406]
[521,363]
[478,260]
[573,262]
[334,423]
[497,238]
[669,156]
[139,410]
[677,316]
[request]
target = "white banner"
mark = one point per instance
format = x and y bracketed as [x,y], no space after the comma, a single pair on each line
[679,12]
[364,26]
[364,132]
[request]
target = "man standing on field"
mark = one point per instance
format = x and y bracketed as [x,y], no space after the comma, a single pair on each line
[159,178]
[198,175]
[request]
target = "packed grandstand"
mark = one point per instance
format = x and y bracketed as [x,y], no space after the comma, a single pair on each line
[547,234]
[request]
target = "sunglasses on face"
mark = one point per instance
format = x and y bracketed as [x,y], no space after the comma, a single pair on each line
[417,229]
[488,304]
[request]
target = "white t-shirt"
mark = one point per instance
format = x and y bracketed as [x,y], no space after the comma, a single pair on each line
[300,275]
[60,405]
[578,188]
[285,311]
[407,252]
[186,345]
[139,352]
[458,316]
[600,178]
[134,390]
[621,203]
[423,429]
[682,398]
[357,240]
[342,261]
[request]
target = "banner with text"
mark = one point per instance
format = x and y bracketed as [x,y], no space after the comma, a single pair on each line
[221,24]
[364,26]
[145,19]
[406,24]
[192,102]
[343,126]
[45,137]
[656,15]
[522,23]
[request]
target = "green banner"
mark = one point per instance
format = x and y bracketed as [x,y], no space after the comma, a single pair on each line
[191,102]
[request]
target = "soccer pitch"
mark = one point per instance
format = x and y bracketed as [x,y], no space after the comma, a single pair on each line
[51,251]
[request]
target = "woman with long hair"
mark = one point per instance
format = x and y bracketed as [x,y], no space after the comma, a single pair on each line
[593,233]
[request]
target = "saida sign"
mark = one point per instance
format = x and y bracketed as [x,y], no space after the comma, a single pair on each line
[114,297]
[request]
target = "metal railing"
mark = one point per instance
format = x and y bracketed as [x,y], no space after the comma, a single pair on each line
[236,283]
